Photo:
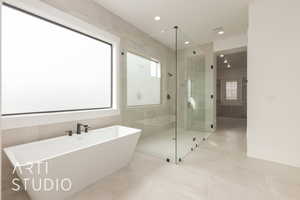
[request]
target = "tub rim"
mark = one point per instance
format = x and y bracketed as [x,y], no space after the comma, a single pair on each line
[12,158]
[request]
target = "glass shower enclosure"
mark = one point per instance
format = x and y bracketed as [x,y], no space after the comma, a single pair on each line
[186,115]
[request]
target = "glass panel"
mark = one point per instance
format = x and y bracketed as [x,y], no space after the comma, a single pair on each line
[186,115]
[195,107]
[156,121]
[185,98]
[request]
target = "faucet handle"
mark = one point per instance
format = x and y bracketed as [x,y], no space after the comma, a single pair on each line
[70,133]
[86,128]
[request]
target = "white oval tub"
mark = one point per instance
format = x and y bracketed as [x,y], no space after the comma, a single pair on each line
[83,159]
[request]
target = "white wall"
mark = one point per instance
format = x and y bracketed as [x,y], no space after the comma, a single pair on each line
[232,42]
[274,83]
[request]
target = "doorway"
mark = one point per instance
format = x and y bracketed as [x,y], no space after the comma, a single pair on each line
[232,96]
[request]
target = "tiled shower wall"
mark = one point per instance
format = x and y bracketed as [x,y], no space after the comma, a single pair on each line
[204,85]
[131,39]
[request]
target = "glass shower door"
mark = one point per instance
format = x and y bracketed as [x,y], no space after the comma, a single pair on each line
[195,95]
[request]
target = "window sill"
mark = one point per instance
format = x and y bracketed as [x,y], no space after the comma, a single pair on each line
[144,106]
[19,121]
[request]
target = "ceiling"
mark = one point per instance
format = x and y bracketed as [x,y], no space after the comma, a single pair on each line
[196,18]
[235,60]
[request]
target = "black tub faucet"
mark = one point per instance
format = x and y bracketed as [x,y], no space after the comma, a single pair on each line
[78,129]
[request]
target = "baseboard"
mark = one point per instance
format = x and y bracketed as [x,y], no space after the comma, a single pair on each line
[277,161]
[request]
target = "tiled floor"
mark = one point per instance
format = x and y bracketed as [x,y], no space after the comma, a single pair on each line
[162,144]
[217,170]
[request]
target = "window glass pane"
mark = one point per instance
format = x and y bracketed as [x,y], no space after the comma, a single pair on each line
[231,90]
[143,81]
[46,67]
[153,69]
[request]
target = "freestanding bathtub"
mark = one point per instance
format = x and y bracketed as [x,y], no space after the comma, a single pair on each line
[71,163]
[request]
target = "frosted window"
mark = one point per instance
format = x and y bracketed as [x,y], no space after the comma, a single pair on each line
[143,81]
[231,90]
[49,68]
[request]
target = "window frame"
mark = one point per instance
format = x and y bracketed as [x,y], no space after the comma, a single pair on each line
[53,14]
[161,80]
[78,32]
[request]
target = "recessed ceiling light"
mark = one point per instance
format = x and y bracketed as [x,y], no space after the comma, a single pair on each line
[225,61]
[162,31]
[222,56]
[157,18]
[187,42]
[221,32]
[228,66]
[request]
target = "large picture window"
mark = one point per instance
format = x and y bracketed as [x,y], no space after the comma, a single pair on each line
[143,81]
[48,67]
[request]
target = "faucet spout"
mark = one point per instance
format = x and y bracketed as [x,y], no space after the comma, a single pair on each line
[79,128]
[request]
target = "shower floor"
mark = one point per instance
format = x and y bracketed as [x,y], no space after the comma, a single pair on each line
[162,144]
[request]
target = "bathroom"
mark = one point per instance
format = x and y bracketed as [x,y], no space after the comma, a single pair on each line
[147,117]
[155,116]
